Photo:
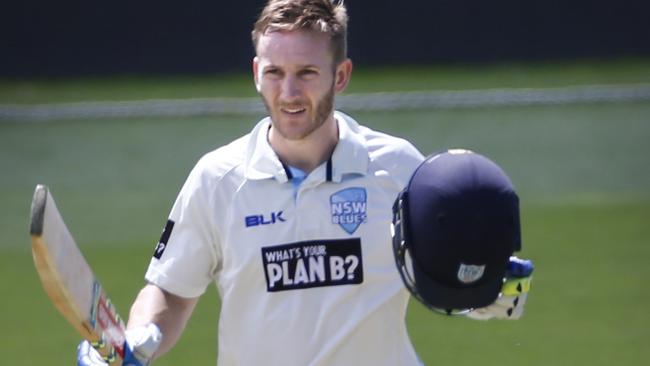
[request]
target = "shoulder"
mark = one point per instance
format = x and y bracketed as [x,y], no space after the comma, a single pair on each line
[393,154]
[219,163]
[387,153]
[221,160]
[382,146]
[385,148]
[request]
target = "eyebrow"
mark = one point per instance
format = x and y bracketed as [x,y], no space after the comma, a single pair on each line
[305,66]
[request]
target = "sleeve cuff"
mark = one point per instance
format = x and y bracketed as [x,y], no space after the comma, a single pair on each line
[159,279]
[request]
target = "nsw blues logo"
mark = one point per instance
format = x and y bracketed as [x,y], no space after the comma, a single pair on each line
[348,208]
[468,273]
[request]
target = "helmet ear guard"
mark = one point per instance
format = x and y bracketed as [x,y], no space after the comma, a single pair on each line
[404,260]
[455,225]
[400,244]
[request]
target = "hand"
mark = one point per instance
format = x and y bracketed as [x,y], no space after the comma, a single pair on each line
[511,300]
[141,343]
[87,355]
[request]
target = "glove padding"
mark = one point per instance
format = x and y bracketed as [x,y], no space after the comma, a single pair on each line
[141,343]
[514,292]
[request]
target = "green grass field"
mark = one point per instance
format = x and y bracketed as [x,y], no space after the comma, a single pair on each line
[582,172]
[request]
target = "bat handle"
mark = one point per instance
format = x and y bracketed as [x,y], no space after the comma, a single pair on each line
[107,352]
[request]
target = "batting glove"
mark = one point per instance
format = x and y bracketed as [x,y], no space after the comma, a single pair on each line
[141,343]
[511,300]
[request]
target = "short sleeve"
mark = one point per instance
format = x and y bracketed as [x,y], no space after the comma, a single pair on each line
[186,258]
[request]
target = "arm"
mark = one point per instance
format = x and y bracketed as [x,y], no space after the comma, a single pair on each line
[169,312]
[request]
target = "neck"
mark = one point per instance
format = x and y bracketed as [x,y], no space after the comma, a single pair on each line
[309,152]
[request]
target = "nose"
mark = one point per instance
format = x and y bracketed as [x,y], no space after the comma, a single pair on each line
[291,88]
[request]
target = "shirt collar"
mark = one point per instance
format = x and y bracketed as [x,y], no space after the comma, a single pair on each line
[350,155]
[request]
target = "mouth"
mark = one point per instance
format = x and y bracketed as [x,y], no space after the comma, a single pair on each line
[293,111]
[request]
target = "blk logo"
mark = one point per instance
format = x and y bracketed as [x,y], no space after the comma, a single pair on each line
[257,220]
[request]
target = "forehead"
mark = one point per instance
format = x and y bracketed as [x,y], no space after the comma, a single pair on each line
[299,47]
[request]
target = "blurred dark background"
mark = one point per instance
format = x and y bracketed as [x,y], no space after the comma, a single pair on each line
[73,37]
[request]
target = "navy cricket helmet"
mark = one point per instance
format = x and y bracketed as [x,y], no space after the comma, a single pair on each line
[455,226]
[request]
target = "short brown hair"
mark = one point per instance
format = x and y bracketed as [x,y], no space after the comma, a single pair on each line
[325,16]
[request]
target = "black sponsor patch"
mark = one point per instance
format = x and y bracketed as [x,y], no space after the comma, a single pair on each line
[162,243]
[315,263]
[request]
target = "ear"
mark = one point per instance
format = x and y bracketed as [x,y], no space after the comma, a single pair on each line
[256,77]
[343,75]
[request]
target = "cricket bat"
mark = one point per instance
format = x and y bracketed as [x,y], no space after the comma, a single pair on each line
[69,281]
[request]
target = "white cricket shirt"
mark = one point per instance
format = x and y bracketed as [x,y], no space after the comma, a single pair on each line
[306,275]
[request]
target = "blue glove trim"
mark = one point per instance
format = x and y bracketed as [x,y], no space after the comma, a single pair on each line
[519,268]
[129,357]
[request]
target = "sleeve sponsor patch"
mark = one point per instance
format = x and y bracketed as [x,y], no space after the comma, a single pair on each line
[162,243]
[314,263]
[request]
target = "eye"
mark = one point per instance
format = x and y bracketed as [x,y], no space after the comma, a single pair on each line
[273,72]
[308,73]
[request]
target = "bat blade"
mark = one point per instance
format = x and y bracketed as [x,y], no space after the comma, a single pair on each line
[70,282]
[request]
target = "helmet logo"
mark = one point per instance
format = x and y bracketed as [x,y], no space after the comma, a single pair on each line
[469,273]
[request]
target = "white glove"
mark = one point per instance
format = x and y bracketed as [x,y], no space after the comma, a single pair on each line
[87,355]
[141,343]
[514,292]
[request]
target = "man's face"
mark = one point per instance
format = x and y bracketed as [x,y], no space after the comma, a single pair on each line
[295,75]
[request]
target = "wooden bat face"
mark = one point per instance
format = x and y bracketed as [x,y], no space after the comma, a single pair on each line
[69,281]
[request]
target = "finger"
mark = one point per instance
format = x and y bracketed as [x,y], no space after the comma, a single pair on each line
[481,314]
[517,308]
[87,355]
[507,301]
